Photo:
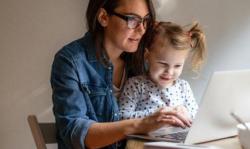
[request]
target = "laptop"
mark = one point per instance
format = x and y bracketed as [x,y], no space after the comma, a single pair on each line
[226,92]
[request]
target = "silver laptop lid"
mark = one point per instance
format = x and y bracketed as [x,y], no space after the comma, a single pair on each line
[227,91]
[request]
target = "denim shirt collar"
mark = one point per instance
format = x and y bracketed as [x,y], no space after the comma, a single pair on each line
[88,42]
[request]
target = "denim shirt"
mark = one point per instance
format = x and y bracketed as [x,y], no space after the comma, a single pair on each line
[82,92]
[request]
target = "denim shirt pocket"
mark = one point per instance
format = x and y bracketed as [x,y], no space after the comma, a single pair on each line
[97,102]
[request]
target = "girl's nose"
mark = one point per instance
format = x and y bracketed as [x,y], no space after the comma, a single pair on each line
[169,70]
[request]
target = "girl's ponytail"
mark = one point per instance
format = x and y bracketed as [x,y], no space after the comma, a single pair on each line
[198,46]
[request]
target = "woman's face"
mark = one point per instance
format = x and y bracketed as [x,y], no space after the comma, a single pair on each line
[117,34]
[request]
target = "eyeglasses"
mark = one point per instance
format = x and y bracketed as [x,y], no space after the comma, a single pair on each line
[132,20]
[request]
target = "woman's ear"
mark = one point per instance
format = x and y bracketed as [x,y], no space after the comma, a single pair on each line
[102,17]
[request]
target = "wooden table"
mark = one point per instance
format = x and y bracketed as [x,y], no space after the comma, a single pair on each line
[228,143]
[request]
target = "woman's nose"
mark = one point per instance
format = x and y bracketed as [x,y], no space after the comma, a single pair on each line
[141,29]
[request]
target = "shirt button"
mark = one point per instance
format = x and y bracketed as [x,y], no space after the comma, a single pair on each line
[109,68]
[110,91]
[116,114]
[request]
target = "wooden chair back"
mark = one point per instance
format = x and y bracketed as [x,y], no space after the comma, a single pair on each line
[43,133]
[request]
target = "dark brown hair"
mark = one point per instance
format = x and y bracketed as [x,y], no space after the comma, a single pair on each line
[190,37]
[134,61]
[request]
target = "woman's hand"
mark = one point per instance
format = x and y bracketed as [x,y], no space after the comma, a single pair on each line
[161,118]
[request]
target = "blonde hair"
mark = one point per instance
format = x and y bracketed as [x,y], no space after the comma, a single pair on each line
[190,37]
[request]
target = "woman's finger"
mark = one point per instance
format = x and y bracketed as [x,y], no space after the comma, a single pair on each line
[184,119]
[175,121]
[180,117]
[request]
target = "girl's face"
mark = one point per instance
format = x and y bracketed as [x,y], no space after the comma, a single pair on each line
[165,64]
[117,34]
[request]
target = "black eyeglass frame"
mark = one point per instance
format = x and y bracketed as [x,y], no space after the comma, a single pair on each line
[128,18]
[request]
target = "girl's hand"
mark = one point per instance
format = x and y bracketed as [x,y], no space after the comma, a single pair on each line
[184,112]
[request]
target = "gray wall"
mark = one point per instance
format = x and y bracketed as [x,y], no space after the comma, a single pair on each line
[32,31]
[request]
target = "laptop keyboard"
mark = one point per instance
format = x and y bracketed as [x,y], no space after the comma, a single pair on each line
[174,137]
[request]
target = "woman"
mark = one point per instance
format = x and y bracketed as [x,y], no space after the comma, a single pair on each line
[86,72]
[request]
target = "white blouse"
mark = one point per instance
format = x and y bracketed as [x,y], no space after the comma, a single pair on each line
[117,90]
[141,97]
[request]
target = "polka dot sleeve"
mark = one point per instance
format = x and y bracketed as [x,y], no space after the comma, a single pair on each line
[130,98]
[190,102]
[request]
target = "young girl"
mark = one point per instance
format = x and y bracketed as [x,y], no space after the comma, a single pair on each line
[161,87]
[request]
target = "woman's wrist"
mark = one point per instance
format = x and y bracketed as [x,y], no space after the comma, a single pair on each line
[133,126]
